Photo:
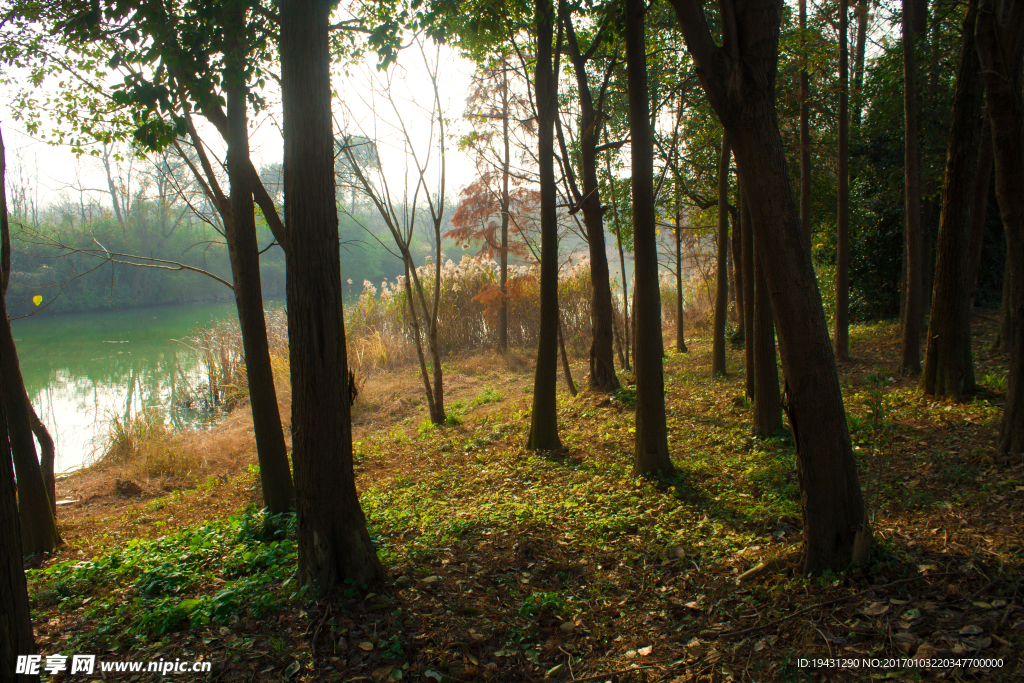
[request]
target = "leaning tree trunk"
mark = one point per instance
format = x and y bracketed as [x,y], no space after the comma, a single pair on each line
[650,453]
[544,420]
[47,456]
[739,80]
[244,253]
[999,49]
[767,401]
[913,239]
[841,331]
[15,623]
[948,365]
[602,353]
[334,545]
[722,281]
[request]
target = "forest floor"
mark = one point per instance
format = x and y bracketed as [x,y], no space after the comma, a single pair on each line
[510,566]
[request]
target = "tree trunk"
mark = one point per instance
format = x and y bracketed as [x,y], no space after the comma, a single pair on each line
[841,331]
[47,455]
[861,12]
[544,420]
[999,49]
[1003,336]
[747,230]
[739,80]
[913,239]
[602,353]
[650,454]
[622,265]
[334,545]
[722,281]
[979,206]
[680,313]
[948,365]
[506,164]
[570,386]
[737,270]
[15,623]
[243,250]
[767,401]
[805,136]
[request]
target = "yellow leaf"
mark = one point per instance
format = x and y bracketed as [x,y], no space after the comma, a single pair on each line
[37,299]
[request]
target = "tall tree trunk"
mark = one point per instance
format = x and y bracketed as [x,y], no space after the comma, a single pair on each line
[737,269]
[544,420]
[999,49]
[805,134]
[722,281]
[767,401]
[38,527]
[841,332]
[650,452]
[602,353]
[680,313]
[506,164]
[15,623]
[979,205]
[747,230]
[622,265]
[861,12]
[334,544]
[913,237]
[243,250]
[948,365]
[739,80]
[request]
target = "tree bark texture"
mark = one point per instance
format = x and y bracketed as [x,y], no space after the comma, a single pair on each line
[650,453]
[805,137]
[544,420]
[334,544]
[722,281]
[767,401]
[948,365]
[913,239]
[15,623]
[570,386]
[841,331]
[739,80]
[243,251]
[747,233]
[999,49]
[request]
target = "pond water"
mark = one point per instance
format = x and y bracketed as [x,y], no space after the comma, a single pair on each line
[82,370]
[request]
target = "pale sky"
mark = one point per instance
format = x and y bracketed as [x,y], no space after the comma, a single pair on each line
[54,168]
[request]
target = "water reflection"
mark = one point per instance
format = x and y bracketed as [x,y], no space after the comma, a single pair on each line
[83,370]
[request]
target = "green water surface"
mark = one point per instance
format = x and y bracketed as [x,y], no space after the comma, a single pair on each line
[83,369]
